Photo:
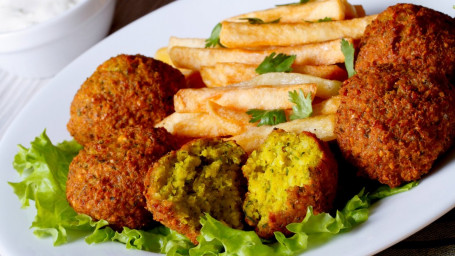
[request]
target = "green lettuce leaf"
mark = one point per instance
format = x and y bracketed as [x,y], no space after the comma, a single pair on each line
[44,167]
[217,239]
[215,235]
[160,239]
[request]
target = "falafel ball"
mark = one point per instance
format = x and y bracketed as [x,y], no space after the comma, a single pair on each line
[204,176]
[286,175]
[410,34]
[394,121]
[125,90]
[106,178]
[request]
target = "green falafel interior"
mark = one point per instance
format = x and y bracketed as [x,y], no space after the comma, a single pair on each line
[43,170]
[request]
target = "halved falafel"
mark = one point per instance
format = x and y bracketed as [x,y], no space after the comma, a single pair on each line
[106,178]
[394,121]
[125,90]
[204,176]
[286,175]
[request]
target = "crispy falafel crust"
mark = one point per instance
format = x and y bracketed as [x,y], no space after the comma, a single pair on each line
[394,121]
[204,176]
[410,34]
[105,180]
[286,175]
[123,91]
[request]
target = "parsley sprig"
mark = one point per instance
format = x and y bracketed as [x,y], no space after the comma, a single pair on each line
[267,117]
[326,19]
[214,39]
[348,52]
[276,63]
[302,109]
[257,21]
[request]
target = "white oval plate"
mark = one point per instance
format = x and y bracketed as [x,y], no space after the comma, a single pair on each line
[391,220]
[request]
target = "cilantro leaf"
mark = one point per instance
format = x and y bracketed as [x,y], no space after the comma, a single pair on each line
[348,52]
[303,107]
[276,63]
[300,2]
[267,117]
[326,19]
[256,21]
[214,38]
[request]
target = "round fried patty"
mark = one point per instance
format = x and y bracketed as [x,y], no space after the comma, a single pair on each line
[106,178]
[123,91]
[394,121]
[410,34]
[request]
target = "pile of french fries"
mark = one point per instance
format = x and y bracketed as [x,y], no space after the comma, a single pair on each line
[312,32]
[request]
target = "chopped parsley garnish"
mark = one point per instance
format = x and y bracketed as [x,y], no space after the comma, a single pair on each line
[300,2]
[326,19]
[348,52]
[302,107]
[267,117]
[276,63]
[214,38]
[256,21]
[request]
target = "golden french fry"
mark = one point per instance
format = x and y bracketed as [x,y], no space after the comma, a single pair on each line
[224,74]
[322,126]
[360,11]
[186,42]
[199,125]
[162,55]
[330,72]
[325,88]
[311,11]
[235,121]
[324,53]
[239,98]
[350,10]
[328,106]
[240,118]
[240,34]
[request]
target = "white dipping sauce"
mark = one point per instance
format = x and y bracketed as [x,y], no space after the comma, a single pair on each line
[20,14]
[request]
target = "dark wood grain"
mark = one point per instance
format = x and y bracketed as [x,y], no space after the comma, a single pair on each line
[127,11]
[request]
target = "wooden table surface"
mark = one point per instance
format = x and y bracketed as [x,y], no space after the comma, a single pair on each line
[436,239]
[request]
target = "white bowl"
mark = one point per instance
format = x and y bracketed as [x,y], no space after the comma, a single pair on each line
[42,50]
